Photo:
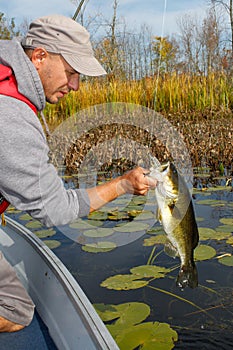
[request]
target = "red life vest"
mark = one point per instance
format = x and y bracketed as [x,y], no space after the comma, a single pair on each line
[8,87]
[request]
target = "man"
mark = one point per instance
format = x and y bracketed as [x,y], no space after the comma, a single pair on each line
[44,66]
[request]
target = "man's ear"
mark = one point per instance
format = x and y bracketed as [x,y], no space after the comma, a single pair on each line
[39,54]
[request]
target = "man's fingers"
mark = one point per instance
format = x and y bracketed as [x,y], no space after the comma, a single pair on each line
[151,183]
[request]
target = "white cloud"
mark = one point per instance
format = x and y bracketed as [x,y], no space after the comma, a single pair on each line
[135,12]
[160,15]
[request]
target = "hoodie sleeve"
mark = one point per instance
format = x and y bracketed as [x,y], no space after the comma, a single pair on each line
[27,179]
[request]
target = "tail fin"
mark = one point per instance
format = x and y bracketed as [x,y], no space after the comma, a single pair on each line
[187,277]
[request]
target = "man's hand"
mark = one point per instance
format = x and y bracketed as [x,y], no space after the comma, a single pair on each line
[135,182]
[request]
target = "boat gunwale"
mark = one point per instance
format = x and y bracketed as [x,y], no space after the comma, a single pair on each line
[80,301]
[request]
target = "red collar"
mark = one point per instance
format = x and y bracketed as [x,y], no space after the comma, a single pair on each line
[9,87]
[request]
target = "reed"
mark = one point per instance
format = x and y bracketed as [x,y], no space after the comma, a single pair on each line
[169,94]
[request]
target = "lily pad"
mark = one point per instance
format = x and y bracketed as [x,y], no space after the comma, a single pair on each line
[107,312]
[211,202]
[202,175]
[84,224]
[123,282]
[25,217]
[204,252]
[125,315]
[159,239]
[149,271]
[155,231]
[100,247]
[220,235]
[219,188]
[128,330]
[132,207]
[225,228]
[199,219]
[134,213]
[227,221]
[99,232]
[95,223]
[226,260]
[230,241]
[12,210]
[206,233]
[45,233]
[33,224]
[147,336]
[121,201]
[132,227]
[98,215]
[138,200]
[66,177]
[52,244]
[201,191]
[147,215]
[117,215]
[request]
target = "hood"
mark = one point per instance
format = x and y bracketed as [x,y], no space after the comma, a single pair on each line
[29,83]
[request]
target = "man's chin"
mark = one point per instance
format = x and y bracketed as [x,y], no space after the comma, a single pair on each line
[53,100]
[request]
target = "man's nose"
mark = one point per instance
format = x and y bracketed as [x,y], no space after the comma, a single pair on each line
[74,82]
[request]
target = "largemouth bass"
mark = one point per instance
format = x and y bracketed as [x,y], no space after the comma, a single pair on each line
[176,214]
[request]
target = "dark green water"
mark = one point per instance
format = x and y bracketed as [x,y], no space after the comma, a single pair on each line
[202,317]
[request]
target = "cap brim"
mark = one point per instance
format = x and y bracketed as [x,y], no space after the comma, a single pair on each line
[85,65]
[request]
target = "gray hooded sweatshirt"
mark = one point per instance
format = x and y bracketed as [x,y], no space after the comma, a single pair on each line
[27,180]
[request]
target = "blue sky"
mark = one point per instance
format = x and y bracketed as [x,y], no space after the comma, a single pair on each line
[160,15]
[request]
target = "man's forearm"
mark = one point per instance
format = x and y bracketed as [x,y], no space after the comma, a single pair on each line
[102,194]
[134,182]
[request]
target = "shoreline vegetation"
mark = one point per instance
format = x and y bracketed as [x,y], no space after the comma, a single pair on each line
[187,78]
[199,107]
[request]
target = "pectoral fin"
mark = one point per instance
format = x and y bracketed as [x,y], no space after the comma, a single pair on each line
[159,215]
[170,250]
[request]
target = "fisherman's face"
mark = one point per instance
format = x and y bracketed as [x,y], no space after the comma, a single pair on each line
[56,75]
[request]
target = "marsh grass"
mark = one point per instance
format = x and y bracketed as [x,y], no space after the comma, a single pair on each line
[198,106]
[168,94]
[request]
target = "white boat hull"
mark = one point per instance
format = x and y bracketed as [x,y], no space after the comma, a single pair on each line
[63,306]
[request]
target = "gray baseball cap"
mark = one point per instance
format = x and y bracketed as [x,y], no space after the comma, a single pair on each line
[62,35]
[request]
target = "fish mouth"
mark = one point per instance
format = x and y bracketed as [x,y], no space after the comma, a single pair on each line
[164,167]
[165,186]
[159,171]
[165,192]
[166,176]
